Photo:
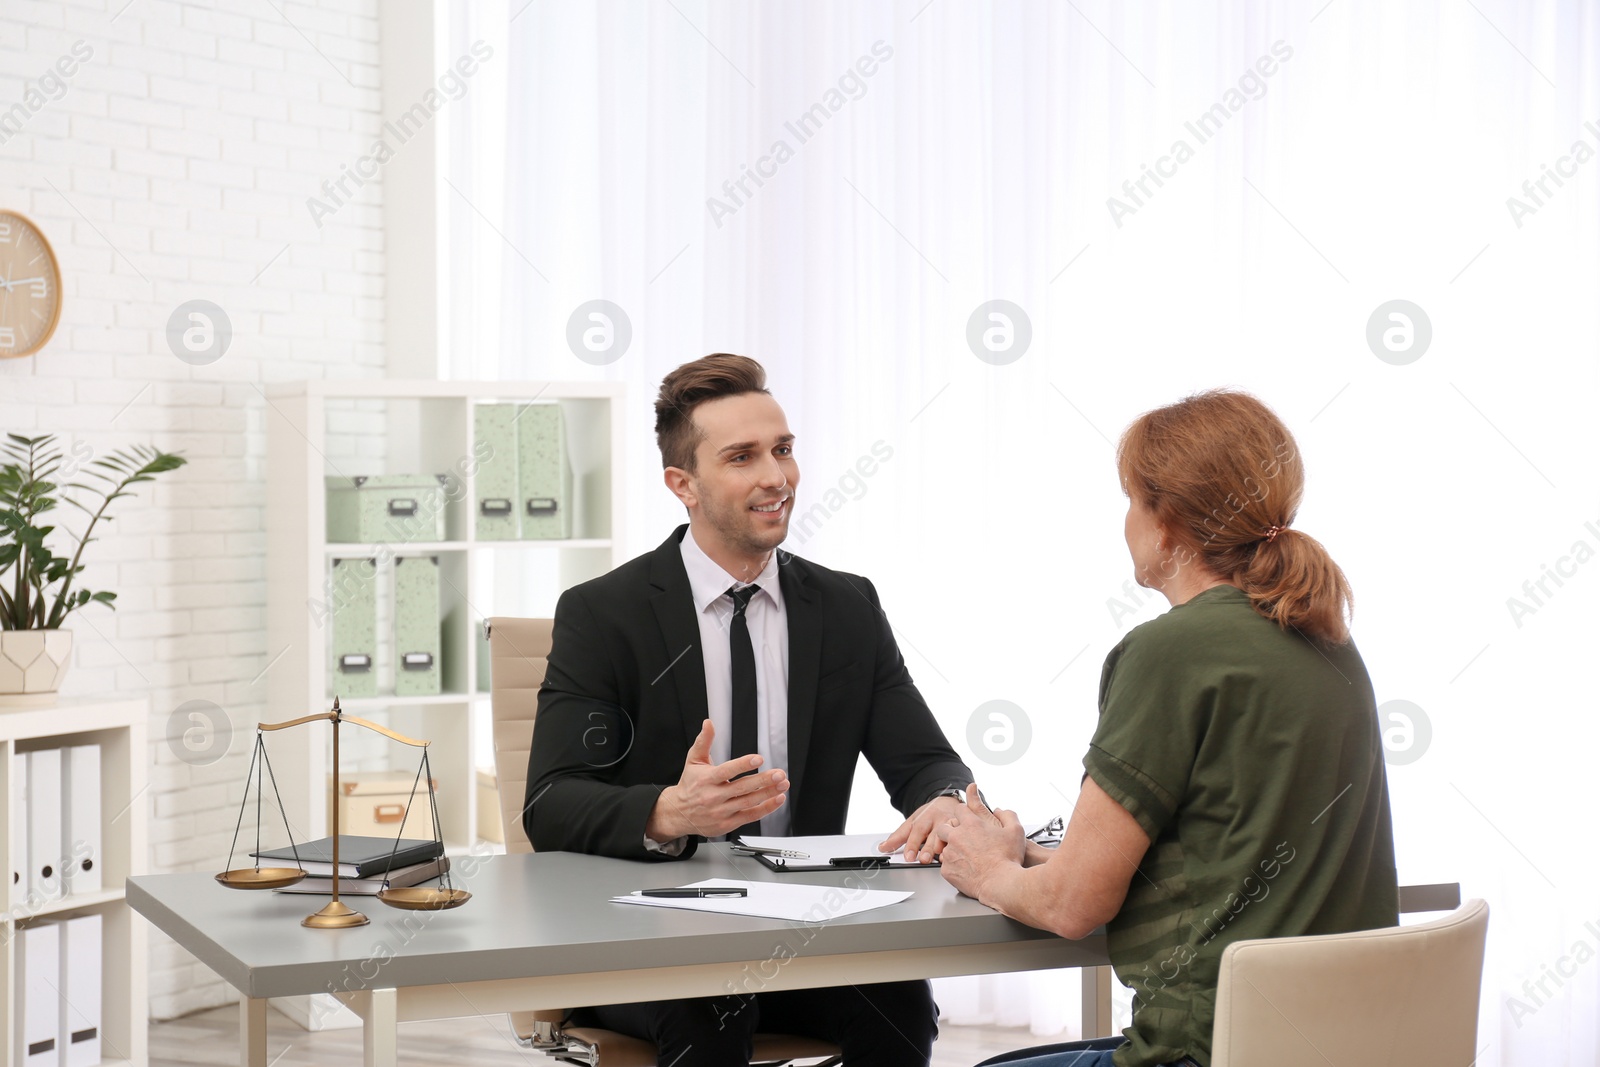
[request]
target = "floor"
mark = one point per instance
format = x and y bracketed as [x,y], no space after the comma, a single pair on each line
[212,1038]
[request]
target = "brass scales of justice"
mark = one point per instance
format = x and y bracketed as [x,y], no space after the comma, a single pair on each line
[335,915]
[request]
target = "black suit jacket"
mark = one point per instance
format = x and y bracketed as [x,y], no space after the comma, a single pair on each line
[625,695]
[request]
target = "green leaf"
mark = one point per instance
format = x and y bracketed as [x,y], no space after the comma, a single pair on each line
[41,594]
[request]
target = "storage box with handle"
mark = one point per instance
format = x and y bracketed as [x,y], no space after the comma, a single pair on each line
[494,505]
[387,508]
[544,473]
[354,607]
[416,626]
[373,804]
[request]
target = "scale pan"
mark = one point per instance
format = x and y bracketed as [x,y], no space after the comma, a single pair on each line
[261,877]
[418,898]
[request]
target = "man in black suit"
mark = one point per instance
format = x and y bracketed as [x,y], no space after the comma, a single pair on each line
[716,686]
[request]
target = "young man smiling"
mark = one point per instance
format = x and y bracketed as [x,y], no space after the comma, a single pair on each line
[733,689]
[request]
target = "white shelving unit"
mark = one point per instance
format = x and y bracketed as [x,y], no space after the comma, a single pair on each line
[395,426]
[390,426]
[119,727]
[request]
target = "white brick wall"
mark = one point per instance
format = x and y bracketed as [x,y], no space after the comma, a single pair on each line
[189,142]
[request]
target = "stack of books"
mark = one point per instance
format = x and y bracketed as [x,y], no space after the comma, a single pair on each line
[362,863]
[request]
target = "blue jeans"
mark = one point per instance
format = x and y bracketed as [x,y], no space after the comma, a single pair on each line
[1094,1053]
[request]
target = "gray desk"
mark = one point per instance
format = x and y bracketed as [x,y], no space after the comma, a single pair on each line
[540,932]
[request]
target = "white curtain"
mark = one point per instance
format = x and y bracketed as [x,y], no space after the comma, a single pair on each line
[1335,157]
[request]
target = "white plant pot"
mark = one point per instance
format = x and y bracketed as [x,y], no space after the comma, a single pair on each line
[33,664]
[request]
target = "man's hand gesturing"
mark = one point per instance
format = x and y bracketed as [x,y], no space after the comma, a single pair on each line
[707,801]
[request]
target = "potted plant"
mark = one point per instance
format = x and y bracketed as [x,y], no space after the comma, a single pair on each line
[37,591]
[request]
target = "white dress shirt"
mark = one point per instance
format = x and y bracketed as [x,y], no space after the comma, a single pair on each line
[769,637]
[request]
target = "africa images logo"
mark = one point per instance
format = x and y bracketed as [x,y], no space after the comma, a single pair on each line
[1251,86]
[850,87]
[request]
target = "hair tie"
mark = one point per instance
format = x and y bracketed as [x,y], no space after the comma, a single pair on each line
[1272,532]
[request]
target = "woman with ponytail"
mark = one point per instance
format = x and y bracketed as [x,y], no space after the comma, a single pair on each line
[1221,474]
[1234,787]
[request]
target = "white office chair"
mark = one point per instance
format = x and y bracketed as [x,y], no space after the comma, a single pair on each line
[518,650]
[1401,995]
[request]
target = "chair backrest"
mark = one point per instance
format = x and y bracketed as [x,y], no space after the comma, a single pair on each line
[518,652]
[519,649]
[1403,994]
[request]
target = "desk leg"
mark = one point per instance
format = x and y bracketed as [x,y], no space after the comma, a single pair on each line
[1096,1001]
[253,1031]
[379,1036]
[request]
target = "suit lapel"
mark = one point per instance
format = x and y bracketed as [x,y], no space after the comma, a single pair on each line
[684,667]
[803,609]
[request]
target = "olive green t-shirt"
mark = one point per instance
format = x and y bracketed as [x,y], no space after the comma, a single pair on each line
[1251,756]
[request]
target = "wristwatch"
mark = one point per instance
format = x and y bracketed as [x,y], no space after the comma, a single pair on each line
[960,794]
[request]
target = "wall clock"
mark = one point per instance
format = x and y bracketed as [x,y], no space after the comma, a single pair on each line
[30,287]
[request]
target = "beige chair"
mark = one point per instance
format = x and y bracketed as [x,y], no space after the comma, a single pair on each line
[1401,995]
[518,649]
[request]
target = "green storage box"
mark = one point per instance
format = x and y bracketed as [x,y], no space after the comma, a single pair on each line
[544,472]
[354,670]
[387,508]
[494,507]
[416,626]
[485,673]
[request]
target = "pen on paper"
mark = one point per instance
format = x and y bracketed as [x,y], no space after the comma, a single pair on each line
[677,893]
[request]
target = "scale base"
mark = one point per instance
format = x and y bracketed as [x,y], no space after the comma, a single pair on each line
[335,916]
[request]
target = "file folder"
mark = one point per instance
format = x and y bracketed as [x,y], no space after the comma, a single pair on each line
[19,827]
[416,626]
[545,473]
[44,824]
[79,1022]
[354,670]
[81,852]
[494,430]
[39,980]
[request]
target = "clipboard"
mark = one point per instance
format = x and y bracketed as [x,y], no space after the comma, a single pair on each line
[842,852]
[784,865]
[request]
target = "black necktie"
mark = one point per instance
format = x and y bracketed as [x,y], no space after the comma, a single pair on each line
[743,654]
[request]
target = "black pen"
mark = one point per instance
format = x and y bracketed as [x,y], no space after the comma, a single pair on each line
[727,891]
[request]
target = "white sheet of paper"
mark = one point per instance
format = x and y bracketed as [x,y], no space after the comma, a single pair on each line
[832,846]
[793,901]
